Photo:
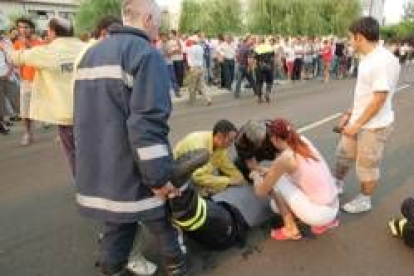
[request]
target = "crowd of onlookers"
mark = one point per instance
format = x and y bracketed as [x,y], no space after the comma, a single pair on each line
[227,60]
[195,61]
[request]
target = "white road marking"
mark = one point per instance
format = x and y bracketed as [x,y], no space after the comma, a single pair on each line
[335,116]
[403,87]
[320,122]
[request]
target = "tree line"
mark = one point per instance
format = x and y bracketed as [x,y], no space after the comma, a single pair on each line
[294,17]
[284,17]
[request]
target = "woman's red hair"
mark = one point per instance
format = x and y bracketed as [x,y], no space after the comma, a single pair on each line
[282,129]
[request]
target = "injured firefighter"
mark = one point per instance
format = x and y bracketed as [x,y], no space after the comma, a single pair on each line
[215,225]
[217,205]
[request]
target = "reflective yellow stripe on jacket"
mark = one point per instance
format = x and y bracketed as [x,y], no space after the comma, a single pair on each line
[198,220]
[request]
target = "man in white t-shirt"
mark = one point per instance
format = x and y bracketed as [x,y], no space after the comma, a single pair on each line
[367,125]
[177,56]
[228,52]
[196,80]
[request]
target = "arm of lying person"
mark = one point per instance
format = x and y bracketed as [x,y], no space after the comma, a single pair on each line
[204,177]
[285,163]
[228,169]
[254,165]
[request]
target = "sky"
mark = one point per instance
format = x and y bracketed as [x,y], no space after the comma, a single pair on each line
[393,8]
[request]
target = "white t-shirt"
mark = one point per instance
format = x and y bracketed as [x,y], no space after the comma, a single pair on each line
[195,56]
[316,49]
[298,51]
[290,54]
[174,45]
[5,57]
[404,50]
[227,50]
[4,67]
[378,71]
[308,50]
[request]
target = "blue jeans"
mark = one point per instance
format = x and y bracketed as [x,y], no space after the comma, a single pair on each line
[173,79]
[318,65]
[117,243]
[208,76]
[242,74]
[335,66]
[9,93]
[179,69]
[228,73]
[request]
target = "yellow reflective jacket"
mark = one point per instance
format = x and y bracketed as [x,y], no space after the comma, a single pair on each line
[52,98]
[207,177]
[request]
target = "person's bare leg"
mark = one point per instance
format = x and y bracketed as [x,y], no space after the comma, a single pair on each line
[326,73]
[291,228]
[27,136]
[367,188]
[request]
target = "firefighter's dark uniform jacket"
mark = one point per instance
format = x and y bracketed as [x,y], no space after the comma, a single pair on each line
[122,107]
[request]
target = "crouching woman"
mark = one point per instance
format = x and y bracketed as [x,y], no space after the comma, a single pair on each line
[299,183]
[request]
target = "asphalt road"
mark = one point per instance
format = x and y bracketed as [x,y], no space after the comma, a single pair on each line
[42,234]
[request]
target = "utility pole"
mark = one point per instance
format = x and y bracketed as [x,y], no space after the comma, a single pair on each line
[371,7]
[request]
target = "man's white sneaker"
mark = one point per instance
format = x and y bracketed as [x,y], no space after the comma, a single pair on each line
[140,266]
[361,203]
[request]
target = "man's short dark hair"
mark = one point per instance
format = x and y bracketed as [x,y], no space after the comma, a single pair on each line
[224,126]
[61,27]
[26,21]
[366,26]
[104,24]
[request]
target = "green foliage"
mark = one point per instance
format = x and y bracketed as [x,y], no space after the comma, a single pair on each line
[405,29]
[165,23]
[302,17]
[389,33]
[408,11]
[211,16]
[191,16]
[91,11]
[402,31]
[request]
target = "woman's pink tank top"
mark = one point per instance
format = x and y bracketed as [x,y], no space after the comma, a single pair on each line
[314,178]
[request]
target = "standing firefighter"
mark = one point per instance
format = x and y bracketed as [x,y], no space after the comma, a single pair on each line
[124,159]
